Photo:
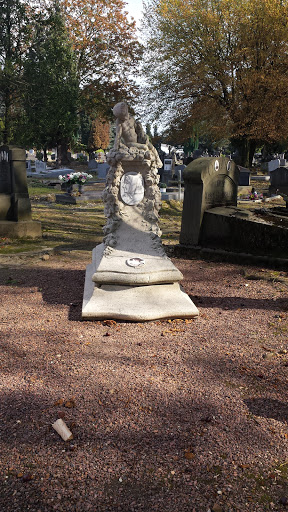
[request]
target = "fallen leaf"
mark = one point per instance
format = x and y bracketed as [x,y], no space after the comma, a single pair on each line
[69,404]
[27,477]
[59,402]
[188,454]
[109,322]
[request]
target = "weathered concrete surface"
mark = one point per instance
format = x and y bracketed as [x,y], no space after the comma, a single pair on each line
[20,229]
[135,303]
[15,207]
[243,230]
[209,182]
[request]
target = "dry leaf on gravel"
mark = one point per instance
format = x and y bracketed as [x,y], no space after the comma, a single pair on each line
[70,403]
[188,454]
[59,402]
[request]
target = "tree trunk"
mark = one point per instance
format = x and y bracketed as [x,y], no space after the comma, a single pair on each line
[6,131]
[62,153]
[245,149]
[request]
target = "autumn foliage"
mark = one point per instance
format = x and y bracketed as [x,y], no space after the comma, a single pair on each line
[221,64]
[99,135]
[106,47]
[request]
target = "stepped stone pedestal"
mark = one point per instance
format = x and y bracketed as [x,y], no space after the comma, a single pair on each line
[130,277]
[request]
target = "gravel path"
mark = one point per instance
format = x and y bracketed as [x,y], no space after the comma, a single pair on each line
[167,416]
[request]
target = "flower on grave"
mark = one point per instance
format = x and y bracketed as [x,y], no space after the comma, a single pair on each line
[75,177]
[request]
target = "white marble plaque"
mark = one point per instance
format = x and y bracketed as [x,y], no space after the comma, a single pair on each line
[132,188]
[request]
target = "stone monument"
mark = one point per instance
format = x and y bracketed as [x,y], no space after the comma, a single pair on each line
[130,277]
[15,207]
[209,182]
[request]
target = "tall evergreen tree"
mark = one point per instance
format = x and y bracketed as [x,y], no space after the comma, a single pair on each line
[52,89]
[14,33]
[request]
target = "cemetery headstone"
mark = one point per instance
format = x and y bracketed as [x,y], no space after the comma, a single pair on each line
[209,182]
[40,166]
[15,207]
[102,170]
[92,165]
[273,164]
[130,277]
[244,176]
[168,170]
[279,180]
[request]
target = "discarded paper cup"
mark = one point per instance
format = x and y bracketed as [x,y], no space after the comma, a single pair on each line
[62,429]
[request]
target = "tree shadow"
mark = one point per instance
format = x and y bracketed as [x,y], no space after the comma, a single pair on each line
[58,286]
[234,303]
[268,408]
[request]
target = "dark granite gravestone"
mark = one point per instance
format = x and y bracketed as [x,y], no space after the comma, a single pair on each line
[209,183]
[244,176]
[279,180]
[15,206]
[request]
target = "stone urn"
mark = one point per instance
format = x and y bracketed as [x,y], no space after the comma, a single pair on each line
[69,189]
[80,188]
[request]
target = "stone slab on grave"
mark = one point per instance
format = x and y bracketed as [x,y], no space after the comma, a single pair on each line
[15,207]
[75,199]
[131,277]
[209,182]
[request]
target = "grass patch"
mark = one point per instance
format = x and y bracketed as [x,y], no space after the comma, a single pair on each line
[80,226]
[39,187]
[170,221]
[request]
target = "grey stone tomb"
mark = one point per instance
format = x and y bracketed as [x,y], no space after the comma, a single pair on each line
[130,277]
[209,183]
[15,207]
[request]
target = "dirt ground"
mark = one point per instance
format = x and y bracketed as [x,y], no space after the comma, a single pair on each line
[165,415]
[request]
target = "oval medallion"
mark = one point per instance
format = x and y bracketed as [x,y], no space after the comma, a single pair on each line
[132,188]
[135,262]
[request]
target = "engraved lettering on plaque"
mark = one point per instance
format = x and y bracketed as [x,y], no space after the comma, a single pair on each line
[5,178]
[132,188]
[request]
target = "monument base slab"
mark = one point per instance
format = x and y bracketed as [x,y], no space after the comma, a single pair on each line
[135,303]
[113,269]
[20,229]
[67,199]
